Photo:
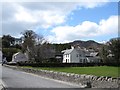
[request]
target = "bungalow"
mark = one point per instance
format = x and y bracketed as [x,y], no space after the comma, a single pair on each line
[79,55]
[19,57]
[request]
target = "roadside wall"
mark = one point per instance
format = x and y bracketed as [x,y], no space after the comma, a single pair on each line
[89,80]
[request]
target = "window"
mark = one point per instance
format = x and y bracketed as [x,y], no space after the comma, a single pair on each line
[66,55]
[80,60]
[77,55]
[66,60]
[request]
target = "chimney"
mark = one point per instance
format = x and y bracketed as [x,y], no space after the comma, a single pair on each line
[72,47]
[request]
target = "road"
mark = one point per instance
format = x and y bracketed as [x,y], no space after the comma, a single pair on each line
[18,79]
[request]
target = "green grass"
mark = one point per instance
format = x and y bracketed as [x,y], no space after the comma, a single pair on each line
[96,70]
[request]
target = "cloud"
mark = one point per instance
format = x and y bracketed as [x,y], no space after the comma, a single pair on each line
[84,30]
[58,1]
[16,17]
[89,4]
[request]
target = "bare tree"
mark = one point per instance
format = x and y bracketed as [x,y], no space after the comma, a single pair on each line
[37,47]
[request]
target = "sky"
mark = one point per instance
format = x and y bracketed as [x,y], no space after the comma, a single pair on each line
[61,22]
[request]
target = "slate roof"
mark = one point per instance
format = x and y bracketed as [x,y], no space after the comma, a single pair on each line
[68,51]
[79,50]
[94,54]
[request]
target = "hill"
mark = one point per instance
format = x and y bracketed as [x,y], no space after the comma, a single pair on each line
[83,44]
[86,44]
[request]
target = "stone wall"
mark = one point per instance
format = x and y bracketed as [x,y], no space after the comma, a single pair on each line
[85,80]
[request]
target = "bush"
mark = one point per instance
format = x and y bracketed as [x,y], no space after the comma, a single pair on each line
[8,52]
[51,60]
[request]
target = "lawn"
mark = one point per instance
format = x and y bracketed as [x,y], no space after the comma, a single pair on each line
[96,70]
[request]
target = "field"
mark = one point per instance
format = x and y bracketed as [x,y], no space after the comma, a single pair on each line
[96,70]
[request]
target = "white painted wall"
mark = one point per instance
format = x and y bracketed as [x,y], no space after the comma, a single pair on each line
[66,58]
[18,57]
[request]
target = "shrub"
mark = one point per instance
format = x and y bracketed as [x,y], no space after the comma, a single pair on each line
[65,64]
[8,52]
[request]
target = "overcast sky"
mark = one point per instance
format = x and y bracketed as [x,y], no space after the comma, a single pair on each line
[61,22]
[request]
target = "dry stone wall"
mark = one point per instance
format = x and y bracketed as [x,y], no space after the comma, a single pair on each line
[89,81]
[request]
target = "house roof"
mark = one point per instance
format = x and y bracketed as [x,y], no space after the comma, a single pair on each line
[79,50]
[68,51]
[17,53]
[94,54]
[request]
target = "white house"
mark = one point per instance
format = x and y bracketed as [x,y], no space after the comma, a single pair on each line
[19,57]
[74,55]
[78,55]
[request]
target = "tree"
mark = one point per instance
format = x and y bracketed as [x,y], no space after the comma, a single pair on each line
[7,41]
[36,46]
[114,47]
[60,47]
[104,53]
[44,52]
[29,39]
[28,42]
[8,53]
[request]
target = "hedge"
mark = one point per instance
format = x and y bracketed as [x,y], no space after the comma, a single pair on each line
[66,64]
